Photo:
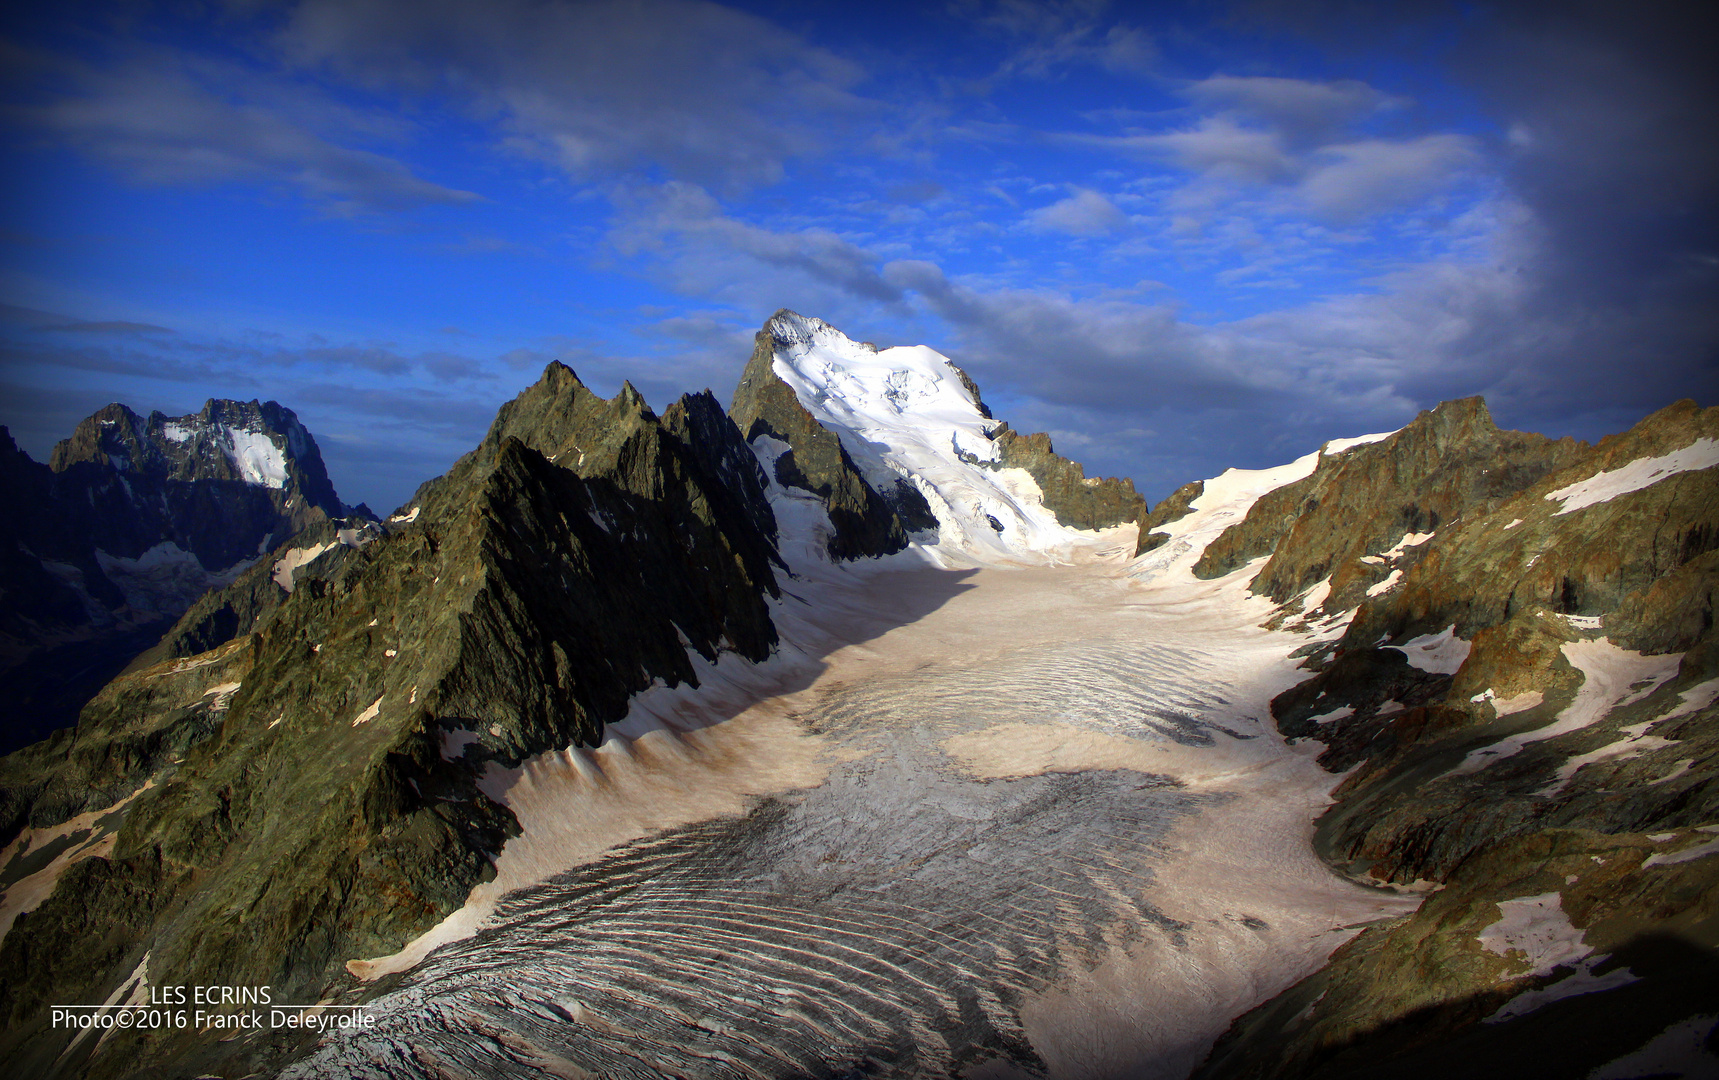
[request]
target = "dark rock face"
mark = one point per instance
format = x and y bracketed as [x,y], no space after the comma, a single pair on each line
[1177,505]
[1455,779]
[867,522]
[1422,998]
[130,522]
[1077,501]
[301,768]
[234,471]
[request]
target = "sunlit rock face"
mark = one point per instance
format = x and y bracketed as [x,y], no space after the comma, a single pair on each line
[1524,706]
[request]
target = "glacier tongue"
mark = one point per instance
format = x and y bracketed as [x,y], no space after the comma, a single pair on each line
[907,412]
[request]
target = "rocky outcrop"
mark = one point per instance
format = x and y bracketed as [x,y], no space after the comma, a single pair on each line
[319,802]
[867,522]
[221,483]
[1078,501]
[130,522]
[1177,505]
[1528,716]
[1450,991]
[1448,462]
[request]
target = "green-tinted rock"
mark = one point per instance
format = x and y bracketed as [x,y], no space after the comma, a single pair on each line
[1078,501]
[312,814]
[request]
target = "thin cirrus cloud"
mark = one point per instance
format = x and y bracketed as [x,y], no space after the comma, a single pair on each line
[1296,140]
[169,117]
[713,94]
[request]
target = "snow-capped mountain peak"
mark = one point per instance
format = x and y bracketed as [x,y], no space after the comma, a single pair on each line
[909,413]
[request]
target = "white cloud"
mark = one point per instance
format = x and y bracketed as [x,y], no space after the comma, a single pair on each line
[1350,180]
[1085,213]
[1283,148]
[1218,146]
[1295,105]
[707,252]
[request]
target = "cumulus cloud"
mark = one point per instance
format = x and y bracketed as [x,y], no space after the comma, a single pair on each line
[1346,181]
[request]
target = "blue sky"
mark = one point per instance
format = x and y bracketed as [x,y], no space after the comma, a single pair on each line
[1177,236]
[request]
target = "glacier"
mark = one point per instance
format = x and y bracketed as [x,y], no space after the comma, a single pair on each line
[1007,803]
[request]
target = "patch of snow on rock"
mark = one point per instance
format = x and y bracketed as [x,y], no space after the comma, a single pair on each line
[1608,673]
[1630,746]
[1692,700]
[1537,927]
[287,566]
[1688,854]
[1441,653]
[371,713]
[1390,582]
[1505,706]
[1409,540]
[1337,446]
[256,457]
[1581,981]
[1638,474]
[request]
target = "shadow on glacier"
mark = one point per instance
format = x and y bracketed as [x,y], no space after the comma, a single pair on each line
[815,619]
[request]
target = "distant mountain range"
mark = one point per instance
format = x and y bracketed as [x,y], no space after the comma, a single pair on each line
[131,521]
[1505,643]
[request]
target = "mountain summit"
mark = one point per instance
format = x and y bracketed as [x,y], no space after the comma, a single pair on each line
[132,520]
[898,445]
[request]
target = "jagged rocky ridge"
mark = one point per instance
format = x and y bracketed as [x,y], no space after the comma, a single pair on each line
[580,553]
[568,562]
[130,521]
[1514,660]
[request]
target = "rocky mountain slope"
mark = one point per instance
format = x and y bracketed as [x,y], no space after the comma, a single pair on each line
[310,787]
[131,520]
[1506,641]
[584,551]
[1513,661]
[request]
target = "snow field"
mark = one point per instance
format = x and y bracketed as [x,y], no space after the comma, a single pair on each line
[1638,474]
